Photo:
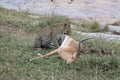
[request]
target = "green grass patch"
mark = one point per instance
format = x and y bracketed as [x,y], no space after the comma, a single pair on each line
[28,21]
[93,26]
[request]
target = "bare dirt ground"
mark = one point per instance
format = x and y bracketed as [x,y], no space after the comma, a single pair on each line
[102,11]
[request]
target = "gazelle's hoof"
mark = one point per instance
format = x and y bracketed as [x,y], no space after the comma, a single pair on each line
[40,55]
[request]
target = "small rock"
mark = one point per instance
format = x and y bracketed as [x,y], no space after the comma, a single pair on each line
[114,28]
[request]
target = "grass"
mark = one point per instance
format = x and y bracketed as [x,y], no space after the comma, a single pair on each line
[15,53]
[93,26]
[17,50]
[27,21]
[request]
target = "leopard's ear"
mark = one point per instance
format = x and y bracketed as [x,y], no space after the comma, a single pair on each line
[65,24]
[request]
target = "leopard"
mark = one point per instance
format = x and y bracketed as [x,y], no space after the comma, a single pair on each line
[51,36]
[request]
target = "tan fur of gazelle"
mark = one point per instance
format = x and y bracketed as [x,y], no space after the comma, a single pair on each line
[68,50]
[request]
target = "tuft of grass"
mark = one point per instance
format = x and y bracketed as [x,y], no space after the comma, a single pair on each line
[93,26]
[105,28]
[86,26]
[50,20]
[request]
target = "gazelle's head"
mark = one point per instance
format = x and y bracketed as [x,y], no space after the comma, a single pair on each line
[75,55]
[73,58]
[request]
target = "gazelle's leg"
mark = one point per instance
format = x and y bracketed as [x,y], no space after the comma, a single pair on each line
[50,53]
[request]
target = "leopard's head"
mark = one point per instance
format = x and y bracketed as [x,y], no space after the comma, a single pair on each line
[66,28]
